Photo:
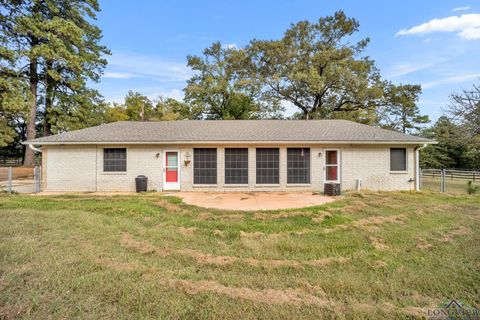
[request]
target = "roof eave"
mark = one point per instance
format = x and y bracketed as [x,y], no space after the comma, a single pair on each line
[376,142]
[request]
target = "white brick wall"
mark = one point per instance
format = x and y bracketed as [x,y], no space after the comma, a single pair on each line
[80,168]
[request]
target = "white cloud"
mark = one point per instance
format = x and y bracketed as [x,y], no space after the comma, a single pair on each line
[467,26]
[230,46]
[452,79]
[119,75]
[461,9]
[122,65]
[402,69]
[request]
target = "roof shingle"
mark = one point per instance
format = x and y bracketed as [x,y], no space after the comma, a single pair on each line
[230,130]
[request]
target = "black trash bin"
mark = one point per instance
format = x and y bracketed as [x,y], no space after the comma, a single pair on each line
[141,183]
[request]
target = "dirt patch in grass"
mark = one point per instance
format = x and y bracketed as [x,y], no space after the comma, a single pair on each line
[377,243]
[268,296]
[206,258]
[8,312]
[187,231]
[423,244]
[371,223]
[204,216]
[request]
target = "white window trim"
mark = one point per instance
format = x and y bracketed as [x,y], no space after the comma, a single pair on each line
[390,159]
[339,166]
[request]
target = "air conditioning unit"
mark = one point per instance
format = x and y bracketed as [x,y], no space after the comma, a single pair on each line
[331,189]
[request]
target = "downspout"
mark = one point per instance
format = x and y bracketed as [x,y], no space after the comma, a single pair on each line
[35,149]
[417,167]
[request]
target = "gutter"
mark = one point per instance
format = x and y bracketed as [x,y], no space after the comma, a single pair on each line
[417,166]
[233,142]
[34,149]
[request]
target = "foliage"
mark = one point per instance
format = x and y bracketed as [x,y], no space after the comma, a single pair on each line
[401,112]
[465,109]
[471,189]
[53,46]
[221,87]
[316,68]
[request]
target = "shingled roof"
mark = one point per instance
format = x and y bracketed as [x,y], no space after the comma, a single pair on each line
[205,131]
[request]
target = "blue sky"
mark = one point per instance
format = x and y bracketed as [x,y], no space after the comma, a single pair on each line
[432,43]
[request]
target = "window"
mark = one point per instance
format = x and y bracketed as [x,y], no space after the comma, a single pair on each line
[298,165]
[114,159]
[268,163]
[236,166]
[398,159]
[205,166]
[331,165]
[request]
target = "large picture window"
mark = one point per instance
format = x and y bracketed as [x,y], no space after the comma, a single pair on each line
[298,165]
[236,166]
[398,159]
[204,166]
[268,164]
[114,159]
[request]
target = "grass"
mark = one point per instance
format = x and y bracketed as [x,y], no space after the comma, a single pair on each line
[457,186]
[365,256]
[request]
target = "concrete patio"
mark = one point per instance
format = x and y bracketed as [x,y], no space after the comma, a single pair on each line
[252,201]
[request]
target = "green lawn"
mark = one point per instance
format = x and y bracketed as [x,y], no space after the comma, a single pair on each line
[370,256]
[458,186]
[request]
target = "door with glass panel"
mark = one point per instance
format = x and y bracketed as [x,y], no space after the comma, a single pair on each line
[332,166]
[171,170]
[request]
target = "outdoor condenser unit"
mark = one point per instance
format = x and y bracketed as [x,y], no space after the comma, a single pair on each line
[331,189]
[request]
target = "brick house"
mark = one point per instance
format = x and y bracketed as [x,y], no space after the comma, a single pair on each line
[237,155]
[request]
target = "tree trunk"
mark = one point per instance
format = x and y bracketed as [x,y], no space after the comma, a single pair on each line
[49,83]
[29,159]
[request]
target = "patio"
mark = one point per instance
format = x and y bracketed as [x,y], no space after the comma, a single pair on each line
[252,201]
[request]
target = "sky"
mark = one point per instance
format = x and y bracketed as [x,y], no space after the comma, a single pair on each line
[432,43]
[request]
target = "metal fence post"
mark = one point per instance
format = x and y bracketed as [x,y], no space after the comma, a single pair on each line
[10,184]
[442,181]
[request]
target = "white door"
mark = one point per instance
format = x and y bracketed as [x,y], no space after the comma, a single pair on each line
[332,166]
[171,170]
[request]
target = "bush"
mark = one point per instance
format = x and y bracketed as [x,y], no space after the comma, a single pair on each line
[471,189]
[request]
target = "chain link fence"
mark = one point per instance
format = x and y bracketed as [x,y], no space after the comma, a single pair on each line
[20,179]
[449,180]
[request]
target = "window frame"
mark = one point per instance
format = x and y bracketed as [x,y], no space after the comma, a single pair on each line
[216,168]
[309,167]
[256,167]
[225,167]
[406,160]
[338,165]
[104,161]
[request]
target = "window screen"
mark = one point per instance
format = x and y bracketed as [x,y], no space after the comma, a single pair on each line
[298,165]
[398,159]
[205,166]
[114,159]
[268,164]
[236,166]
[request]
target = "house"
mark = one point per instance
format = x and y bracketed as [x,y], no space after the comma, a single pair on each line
[230,155]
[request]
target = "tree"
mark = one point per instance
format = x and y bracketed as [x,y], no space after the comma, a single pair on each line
[401,112]
[465,110]
[168,109]
[220,86]
[53,45]
[315,67]
[451,150]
